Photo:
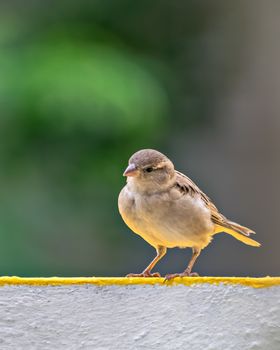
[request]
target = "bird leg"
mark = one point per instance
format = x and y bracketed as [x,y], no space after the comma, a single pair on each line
[187,272]
[161,251]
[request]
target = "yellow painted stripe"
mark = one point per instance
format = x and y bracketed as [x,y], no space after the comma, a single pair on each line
[124,281]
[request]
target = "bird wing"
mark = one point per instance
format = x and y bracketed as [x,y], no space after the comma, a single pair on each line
[187,186]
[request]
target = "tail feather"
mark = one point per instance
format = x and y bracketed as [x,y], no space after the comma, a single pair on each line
[240,232]
[242,238]
[241,229]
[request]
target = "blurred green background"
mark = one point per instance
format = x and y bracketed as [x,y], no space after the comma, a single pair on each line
[84,84]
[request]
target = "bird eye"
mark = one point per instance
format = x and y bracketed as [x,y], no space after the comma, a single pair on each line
[149,169]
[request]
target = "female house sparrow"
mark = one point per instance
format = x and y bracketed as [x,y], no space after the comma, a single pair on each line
[168,210]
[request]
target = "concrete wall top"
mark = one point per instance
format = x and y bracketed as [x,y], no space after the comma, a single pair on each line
[126,313]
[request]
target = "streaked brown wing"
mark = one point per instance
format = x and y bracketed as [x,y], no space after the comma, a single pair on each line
[187,186]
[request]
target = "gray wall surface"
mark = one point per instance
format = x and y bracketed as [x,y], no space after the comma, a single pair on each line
[205,316]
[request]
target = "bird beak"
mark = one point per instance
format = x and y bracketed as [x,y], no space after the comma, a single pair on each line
[131,170]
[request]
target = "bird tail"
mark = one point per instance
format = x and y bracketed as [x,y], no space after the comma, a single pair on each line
[241,233]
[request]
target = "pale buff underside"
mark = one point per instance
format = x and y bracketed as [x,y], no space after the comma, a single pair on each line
[168,219]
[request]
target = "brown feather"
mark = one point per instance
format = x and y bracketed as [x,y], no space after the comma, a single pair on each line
[187,186]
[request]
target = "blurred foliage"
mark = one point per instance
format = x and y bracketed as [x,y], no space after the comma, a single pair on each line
[84,85]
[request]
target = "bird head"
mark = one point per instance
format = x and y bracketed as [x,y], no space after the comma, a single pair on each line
[149,170]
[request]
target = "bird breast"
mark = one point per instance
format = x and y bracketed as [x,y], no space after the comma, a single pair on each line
[167,218]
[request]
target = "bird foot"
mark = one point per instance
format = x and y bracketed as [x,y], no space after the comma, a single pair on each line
[183,274]
[144,274]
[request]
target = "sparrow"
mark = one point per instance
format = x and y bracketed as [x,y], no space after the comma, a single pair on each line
[168,210]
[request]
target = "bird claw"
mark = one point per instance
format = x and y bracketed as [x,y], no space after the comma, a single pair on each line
[144,274]
[171,276]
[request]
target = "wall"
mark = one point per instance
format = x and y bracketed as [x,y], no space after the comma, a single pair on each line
[201,316]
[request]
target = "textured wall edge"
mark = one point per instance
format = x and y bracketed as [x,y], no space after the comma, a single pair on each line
[255,282]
